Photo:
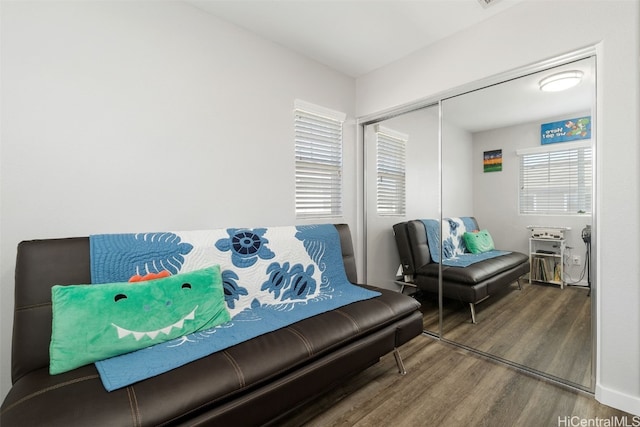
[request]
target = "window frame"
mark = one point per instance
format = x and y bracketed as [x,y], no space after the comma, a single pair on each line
[391,172]
[568,168]
[318,140]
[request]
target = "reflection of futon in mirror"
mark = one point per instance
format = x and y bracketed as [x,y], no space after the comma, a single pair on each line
[472,269]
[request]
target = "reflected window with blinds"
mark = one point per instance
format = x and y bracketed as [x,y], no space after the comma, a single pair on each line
[556,181]
[390,167]
[318,167]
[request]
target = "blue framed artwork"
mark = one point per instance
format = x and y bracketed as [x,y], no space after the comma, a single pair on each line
[566,130]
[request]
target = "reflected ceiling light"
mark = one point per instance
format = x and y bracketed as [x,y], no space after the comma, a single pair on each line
[487,3]
[561,81]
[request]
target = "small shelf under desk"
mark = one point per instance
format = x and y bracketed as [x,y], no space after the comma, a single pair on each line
[546,258]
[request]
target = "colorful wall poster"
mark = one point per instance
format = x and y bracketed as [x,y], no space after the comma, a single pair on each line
[492,161]
[566,130]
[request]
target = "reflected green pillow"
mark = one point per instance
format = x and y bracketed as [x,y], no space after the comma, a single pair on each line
[478,242]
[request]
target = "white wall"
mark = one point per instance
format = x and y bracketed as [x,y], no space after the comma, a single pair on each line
[133,116]
[525,34]
[457,171]
[496,194]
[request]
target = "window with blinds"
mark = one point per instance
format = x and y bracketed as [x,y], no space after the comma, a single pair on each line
[557,182]
[318,153]
[390,166]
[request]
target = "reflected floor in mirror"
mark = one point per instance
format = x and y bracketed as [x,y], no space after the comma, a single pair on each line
[447,386]
[540,326]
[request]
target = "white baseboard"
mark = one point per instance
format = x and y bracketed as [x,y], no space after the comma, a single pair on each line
[618,400]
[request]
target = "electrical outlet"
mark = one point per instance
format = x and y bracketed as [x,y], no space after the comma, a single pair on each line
[576,260]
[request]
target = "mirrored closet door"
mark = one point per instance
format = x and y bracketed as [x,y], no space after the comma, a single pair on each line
[520,162]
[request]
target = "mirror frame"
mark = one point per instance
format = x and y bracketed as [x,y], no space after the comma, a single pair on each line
[361,123]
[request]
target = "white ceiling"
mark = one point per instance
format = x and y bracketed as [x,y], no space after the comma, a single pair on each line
[521,100]
[356,37]
[353,36]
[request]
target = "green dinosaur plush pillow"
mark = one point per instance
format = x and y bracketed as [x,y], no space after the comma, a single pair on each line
[478,242]
[95,322]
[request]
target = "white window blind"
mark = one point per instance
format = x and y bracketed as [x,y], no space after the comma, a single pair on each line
[556,182]
[318,151]
[390,166]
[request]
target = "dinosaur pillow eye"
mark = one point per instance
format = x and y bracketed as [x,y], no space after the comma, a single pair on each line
[119,297]
[186,286]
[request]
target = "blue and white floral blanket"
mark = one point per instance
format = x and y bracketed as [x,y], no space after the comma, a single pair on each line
[272,277]
[454,250]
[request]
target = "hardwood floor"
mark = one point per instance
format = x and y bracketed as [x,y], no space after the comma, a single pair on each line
[449,386]
[446,385]
[539,326]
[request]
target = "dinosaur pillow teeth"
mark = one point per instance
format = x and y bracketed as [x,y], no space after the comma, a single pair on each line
[122,332]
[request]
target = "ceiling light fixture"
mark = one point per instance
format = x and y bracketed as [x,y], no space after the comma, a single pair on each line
[561,81]
[487,3]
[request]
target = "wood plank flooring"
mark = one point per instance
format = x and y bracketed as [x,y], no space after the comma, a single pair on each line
[447,386]
[540,326]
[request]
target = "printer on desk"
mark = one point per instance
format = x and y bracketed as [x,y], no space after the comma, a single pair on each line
[551,233]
